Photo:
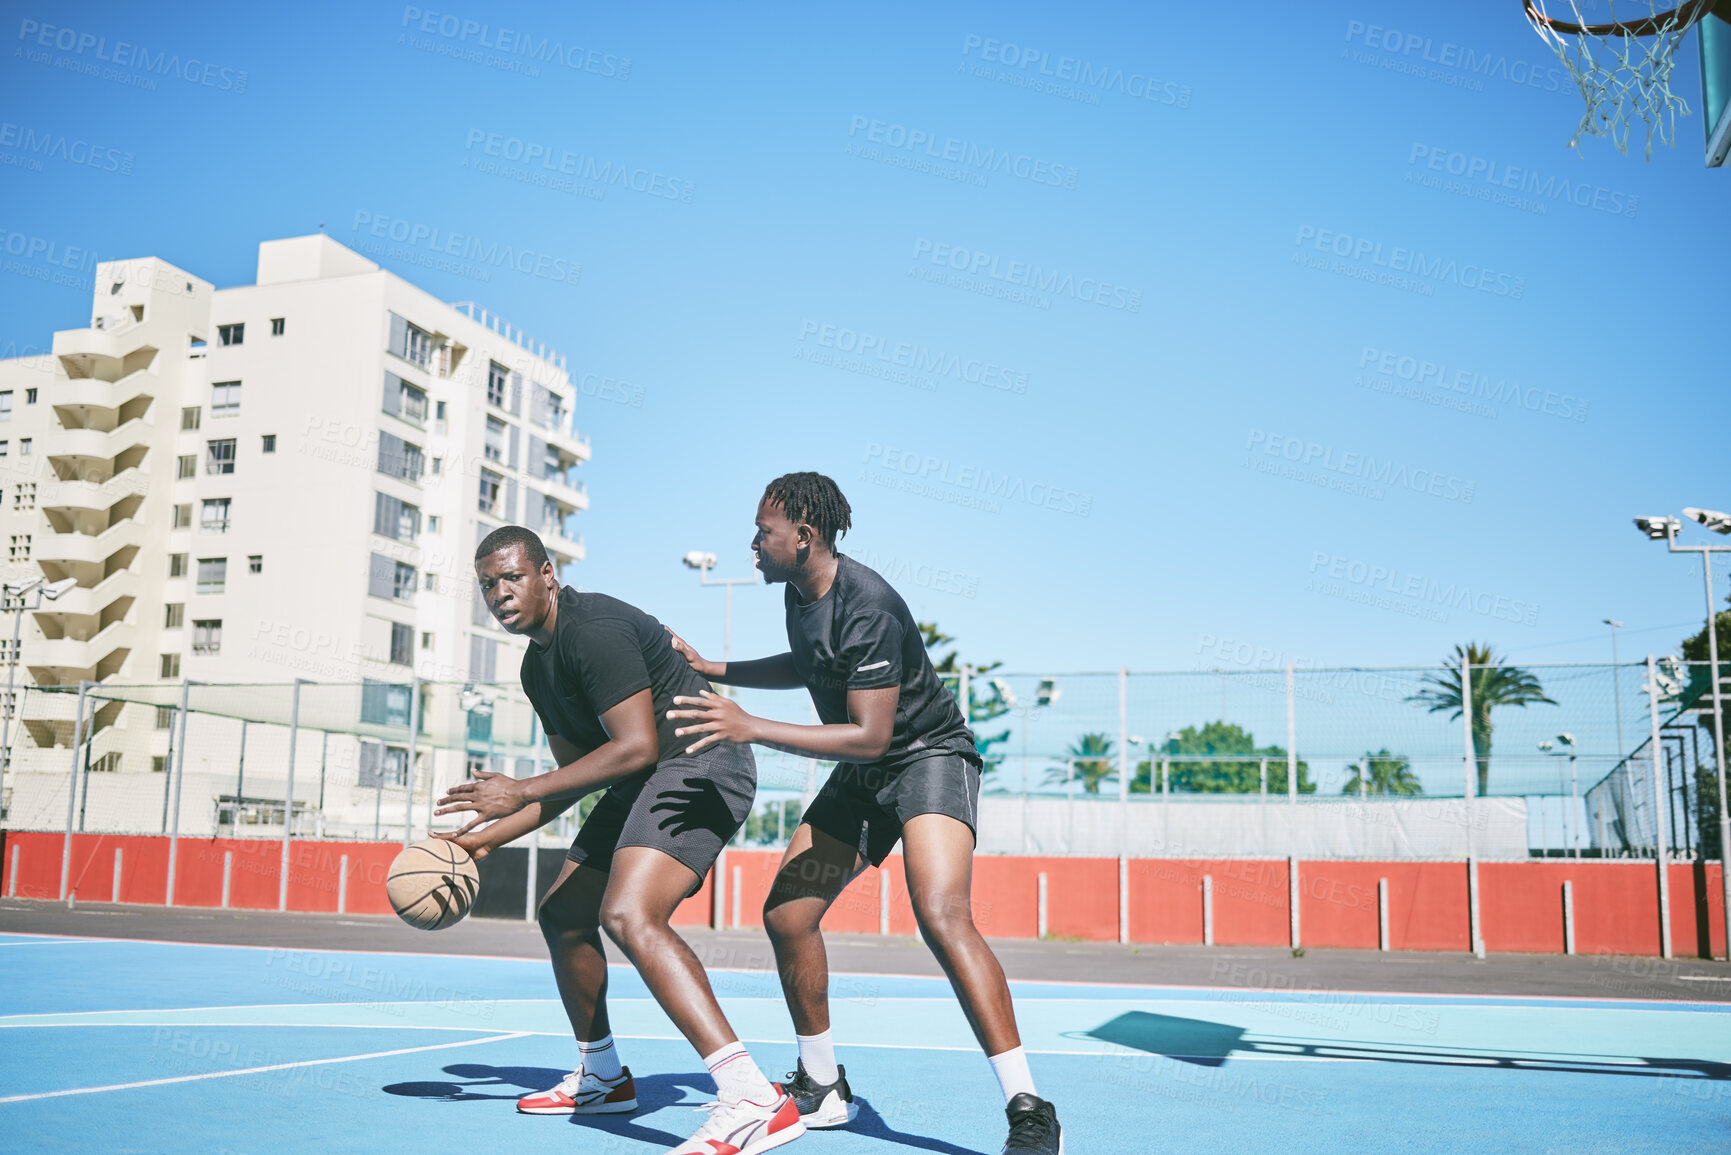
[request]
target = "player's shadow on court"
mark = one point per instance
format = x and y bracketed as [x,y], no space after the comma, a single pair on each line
[1207,1044]
[481,1083]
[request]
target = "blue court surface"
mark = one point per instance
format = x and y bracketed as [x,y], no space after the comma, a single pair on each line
[116,1045]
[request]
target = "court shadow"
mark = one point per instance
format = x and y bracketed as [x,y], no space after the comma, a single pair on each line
[873,1125]
[1210,1044]
[481,1082]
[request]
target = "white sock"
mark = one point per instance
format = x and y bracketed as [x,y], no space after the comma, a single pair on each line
[1011,1068]
[737,1076]
[817,1052]
[601,1058]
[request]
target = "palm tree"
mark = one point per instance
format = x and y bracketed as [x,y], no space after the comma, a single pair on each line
[1387,774]
[985,702]
[1493,685]
[1090,763]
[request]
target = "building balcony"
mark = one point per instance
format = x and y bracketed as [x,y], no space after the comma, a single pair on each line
[76,398]
[564,549]
[97,444]
[74,497]
[569,442]
[90,549]
[63,661]
[104,601]
[105,355]
[572,495]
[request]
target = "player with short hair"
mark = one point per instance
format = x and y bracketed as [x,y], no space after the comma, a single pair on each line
[602,675]
[906,770]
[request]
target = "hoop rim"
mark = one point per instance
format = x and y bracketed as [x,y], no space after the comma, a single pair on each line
[1692,11]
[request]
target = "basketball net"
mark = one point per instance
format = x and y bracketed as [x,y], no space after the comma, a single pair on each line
[1622,68]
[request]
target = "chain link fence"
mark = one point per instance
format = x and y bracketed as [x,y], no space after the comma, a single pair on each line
[1346,762]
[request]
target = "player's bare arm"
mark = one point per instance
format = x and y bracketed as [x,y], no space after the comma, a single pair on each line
[631,746]
[777,673]
[863,738]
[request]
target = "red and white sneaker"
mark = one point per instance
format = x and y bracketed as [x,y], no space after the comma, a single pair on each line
[745,1128]
[581,1093]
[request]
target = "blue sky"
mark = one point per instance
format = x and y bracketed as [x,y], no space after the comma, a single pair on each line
[1081,477]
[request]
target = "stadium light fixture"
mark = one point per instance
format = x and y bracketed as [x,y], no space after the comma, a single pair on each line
[703,561]
[1711,518]
[699,560]
[1658,528]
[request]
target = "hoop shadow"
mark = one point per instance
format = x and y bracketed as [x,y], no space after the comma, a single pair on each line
[1209,1044]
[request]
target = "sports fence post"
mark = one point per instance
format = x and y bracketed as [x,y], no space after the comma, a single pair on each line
[71,797]
[409,773]
[1123,804]
[288,817]
[1475,940]
[1660,856]
[531,868]
[179,773]
[1292,803]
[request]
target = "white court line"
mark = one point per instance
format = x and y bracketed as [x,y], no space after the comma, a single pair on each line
[1704,978]
[253,1070]
[56,942]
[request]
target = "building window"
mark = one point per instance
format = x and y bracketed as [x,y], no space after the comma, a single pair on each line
[169,666]
[29,396]
[389,578]
[6,405]
[439,416]
[20,547]
[410,342]
[402,644]
[219,456]
[189,418]
[215,516]
[269,445]
[399,458]
[395,518]
[432,582]
[207,637]
[8,652]
[225,399]
[383,704]
[404,400]
[212,574]
[276,326]
[438,466]
[494,445]
[255,563]
[432,523]
[426,640]
[177,561]
[497,375]
[24,495]
[182,516]
[186,466]
[165,715]
[159,762]
[490,485]
[403,581]
[2,449]
[109,763]
[24,447]
[230,334]
[174,615]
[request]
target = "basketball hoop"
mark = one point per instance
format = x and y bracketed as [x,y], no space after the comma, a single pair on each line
[1623,68]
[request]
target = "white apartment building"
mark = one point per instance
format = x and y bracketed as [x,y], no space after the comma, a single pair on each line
[268,482]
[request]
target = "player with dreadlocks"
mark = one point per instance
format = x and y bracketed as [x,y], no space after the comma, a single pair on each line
[906,770]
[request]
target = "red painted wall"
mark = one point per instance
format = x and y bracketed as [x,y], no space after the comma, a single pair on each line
[1616,903]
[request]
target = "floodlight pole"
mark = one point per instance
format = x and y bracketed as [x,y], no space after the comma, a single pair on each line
[288,817]
[409,773]
[1707,552]
[11,682]
[704,579]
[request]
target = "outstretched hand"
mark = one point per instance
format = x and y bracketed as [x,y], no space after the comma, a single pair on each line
[698,662]
[490,796]
[716,718]
[475,844]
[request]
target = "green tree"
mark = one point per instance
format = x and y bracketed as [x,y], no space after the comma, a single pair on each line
[985,703]
[1700,687]
[1494,684]
[1090,763]
[761,826]
[1222,777]
[1388,774]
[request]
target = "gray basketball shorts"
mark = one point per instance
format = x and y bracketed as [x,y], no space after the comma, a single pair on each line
[867,806]
[687,807]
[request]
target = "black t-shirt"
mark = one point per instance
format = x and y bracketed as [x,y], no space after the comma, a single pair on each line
[603,652]
[860,636]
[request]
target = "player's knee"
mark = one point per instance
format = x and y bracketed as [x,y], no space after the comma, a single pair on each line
[943,915]
[783,920]
[558,923]
[628,923]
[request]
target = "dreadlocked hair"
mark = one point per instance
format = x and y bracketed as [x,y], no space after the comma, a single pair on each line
[815,500]
[507,536]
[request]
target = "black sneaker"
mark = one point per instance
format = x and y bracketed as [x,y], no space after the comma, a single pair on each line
[822,1105]
[1033,1126]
